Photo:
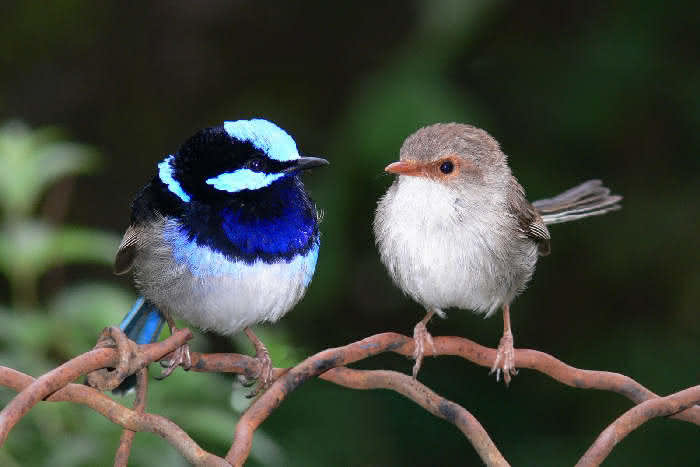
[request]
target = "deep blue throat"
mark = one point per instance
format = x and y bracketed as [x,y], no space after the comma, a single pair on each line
[272,223]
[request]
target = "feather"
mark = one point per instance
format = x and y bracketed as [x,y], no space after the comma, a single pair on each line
[126,252]
[590,198]
[529,219]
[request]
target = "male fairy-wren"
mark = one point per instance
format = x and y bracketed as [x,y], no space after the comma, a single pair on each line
[224,236]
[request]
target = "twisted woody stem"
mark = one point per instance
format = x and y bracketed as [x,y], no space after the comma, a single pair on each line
[124,358]
[121,458]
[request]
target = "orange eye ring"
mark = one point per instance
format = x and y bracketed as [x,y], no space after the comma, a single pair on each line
[445,168]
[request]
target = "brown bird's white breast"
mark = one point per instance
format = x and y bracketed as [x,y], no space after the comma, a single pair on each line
[452,249]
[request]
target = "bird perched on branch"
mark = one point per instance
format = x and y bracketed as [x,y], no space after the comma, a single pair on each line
[454,230]
[224,236]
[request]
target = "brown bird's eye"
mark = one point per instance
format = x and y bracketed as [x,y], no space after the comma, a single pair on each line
[447,167]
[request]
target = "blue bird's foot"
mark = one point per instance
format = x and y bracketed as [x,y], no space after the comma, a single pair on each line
[265,376]
[180,357]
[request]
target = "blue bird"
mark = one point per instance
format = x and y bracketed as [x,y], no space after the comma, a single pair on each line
[224,236]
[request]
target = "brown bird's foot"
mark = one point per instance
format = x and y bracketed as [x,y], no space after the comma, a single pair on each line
[421,336]
[179,357]
[262,355]
[505,359]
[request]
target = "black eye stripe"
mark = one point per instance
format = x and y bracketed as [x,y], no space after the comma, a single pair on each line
[260,163]
[447,167]
[255,164]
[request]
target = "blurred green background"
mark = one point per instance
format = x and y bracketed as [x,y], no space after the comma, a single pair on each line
[94,94]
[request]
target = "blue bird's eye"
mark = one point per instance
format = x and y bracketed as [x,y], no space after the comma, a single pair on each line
[256,165]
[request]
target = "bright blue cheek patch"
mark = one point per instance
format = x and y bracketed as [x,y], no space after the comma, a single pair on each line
[243,179]
[265,136]
[165,173]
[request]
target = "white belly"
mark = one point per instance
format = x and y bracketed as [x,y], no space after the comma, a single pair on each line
[445,253]
[202,287]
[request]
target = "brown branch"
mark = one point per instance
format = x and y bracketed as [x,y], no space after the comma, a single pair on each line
[131,357]
[558,370]
[633,419]
[225,363]
[126,358]
[475,353]
[483,356]
[392,342]
[121,459]
[71,370]
[423,396]
[323,361]
[120,415]
[360,379]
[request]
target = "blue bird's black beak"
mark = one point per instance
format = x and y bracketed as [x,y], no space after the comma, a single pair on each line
[304,163]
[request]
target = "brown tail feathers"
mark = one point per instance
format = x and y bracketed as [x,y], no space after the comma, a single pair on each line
[590,198]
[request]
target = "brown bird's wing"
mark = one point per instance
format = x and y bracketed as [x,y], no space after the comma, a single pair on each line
[529,220]
[126,252]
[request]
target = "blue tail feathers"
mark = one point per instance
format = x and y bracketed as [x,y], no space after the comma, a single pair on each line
[142,325]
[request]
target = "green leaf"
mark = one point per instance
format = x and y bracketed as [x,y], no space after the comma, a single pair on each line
[79,314]
[28,249]
[31,161]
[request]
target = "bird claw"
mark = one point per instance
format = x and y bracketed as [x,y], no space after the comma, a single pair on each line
[420,337]
[505,359]
[179,357]
[264,376]
[245,381]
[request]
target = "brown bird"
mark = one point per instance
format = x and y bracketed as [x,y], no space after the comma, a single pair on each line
[454,230]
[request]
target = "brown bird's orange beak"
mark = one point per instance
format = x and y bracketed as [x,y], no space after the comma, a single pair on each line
[412,168]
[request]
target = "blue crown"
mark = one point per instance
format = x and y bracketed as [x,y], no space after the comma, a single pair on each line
[231,146]
[265,136]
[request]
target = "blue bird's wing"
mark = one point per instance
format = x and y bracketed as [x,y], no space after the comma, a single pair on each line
[142,325]
[126,252]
